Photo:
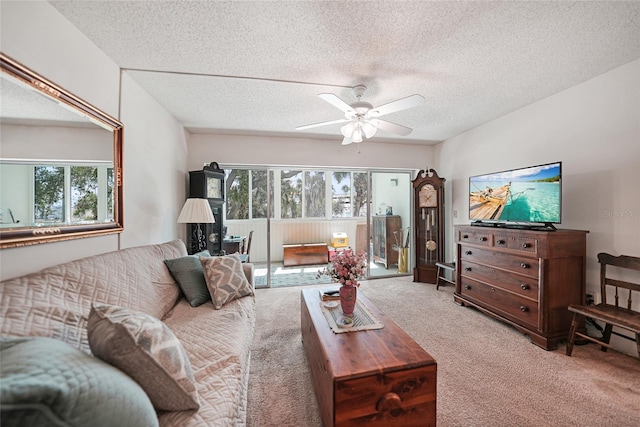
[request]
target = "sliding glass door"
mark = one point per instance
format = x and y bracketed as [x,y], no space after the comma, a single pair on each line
[390,219]
[293,216]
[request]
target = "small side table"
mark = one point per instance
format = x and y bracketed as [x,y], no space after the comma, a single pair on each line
[441,275]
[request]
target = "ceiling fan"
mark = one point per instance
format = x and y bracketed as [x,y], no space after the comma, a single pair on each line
[362,119]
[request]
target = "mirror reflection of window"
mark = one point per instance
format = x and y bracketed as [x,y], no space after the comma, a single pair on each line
[44,126]
[48,203]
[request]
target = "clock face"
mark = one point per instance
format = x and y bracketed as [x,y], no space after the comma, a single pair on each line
[428,196]
[214,188]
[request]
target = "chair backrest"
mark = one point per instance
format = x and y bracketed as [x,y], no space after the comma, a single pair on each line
[622,261]
[247,246]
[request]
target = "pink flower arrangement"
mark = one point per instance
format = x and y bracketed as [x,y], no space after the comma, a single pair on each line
[346,268]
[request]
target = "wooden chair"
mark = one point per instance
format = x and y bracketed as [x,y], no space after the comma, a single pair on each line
[611,314]
[246,247]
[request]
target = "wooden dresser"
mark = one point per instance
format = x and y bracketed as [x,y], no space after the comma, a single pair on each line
[525,278]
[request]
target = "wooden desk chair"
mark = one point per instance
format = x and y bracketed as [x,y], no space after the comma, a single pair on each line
[611,314]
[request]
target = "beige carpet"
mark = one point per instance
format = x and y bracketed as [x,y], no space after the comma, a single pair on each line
[488,373]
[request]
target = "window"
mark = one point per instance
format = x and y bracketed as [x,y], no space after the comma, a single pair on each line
[237,193]
[259,194]
[341,195]
[84,193]
[72,193]
[291,194]
[49,194]
[360,193]
[314,194]
[299,193]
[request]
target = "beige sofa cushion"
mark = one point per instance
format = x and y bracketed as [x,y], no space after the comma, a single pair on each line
[225,279]
[145,349]
[219,349]
[55,302]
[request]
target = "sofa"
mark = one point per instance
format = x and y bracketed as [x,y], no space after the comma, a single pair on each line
[74,314]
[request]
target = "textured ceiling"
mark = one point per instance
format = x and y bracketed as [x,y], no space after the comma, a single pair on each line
[257,67]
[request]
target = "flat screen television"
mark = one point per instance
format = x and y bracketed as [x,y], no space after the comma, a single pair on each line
[529,197]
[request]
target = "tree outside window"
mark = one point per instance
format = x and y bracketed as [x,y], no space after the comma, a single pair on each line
[84,193]
[341,195]
[360,194]
[302,194]
[72,187]
[314,194]
[48,194]
[237,193]
[259,193]
[291,194]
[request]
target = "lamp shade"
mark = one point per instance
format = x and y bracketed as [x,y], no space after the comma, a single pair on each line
[196,211]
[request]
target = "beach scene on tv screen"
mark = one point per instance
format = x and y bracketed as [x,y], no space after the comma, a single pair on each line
[521,195]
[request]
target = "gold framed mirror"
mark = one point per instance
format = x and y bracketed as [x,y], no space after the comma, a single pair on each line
[60,163]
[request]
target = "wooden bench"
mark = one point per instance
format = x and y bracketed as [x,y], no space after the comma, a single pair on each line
[611,314]
[305,254]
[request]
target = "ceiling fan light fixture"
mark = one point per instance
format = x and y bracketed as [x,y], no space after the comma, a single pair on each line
[347,129]
[369,130]
[357,135]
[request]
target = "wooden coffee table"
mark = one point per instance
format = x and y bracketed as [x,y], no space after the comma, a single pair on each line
[380,377]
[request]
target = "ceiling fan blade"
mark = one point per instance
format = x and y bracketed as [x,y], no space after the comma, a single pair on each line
[322,124]
[391,127]
[398,105]
[346,140]
[336,102]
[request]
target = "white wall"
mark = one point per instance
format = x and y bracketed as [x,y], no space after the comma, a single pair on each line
[594,129]
[35,34]
[274,151]
[155,172]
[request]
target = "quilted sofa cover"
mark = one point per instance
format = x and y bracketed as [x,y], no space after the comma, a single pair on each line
[55,302]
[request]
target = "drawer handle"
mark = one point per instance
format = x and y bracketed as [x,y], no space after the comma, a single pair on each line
[465,236]
[467,253]
[483,239]
[388,402]
[523,309]
[524,286]
[467,287]
[467,269]
[524,265]
[525,245]
[500,242]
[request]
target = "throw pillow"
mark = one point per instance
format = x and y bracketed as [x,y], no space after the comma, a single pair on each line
[187,271]
[47,382]
[144,348]
[225,279]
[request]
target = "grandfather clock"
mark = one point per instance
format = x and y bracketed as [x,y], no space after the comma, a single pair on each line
[428,191]
[208,183]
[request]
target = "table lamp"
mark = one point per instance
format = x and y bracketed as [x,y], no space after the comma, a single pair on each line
[196,211]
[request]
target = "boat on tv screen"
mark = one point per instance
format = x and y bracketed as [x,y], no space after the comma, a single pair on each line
[529,195]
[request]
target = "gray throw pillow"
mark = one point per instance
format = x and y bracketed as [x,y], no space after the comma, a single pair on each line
[144,348]
[187,271]
[47,382]
[225,279]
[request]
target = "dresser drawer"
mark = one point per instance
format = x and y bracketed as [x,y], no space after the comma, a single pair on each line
[523,285]
[476,237]
[406,397]
[517,264]
[516,243]
[516,308]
